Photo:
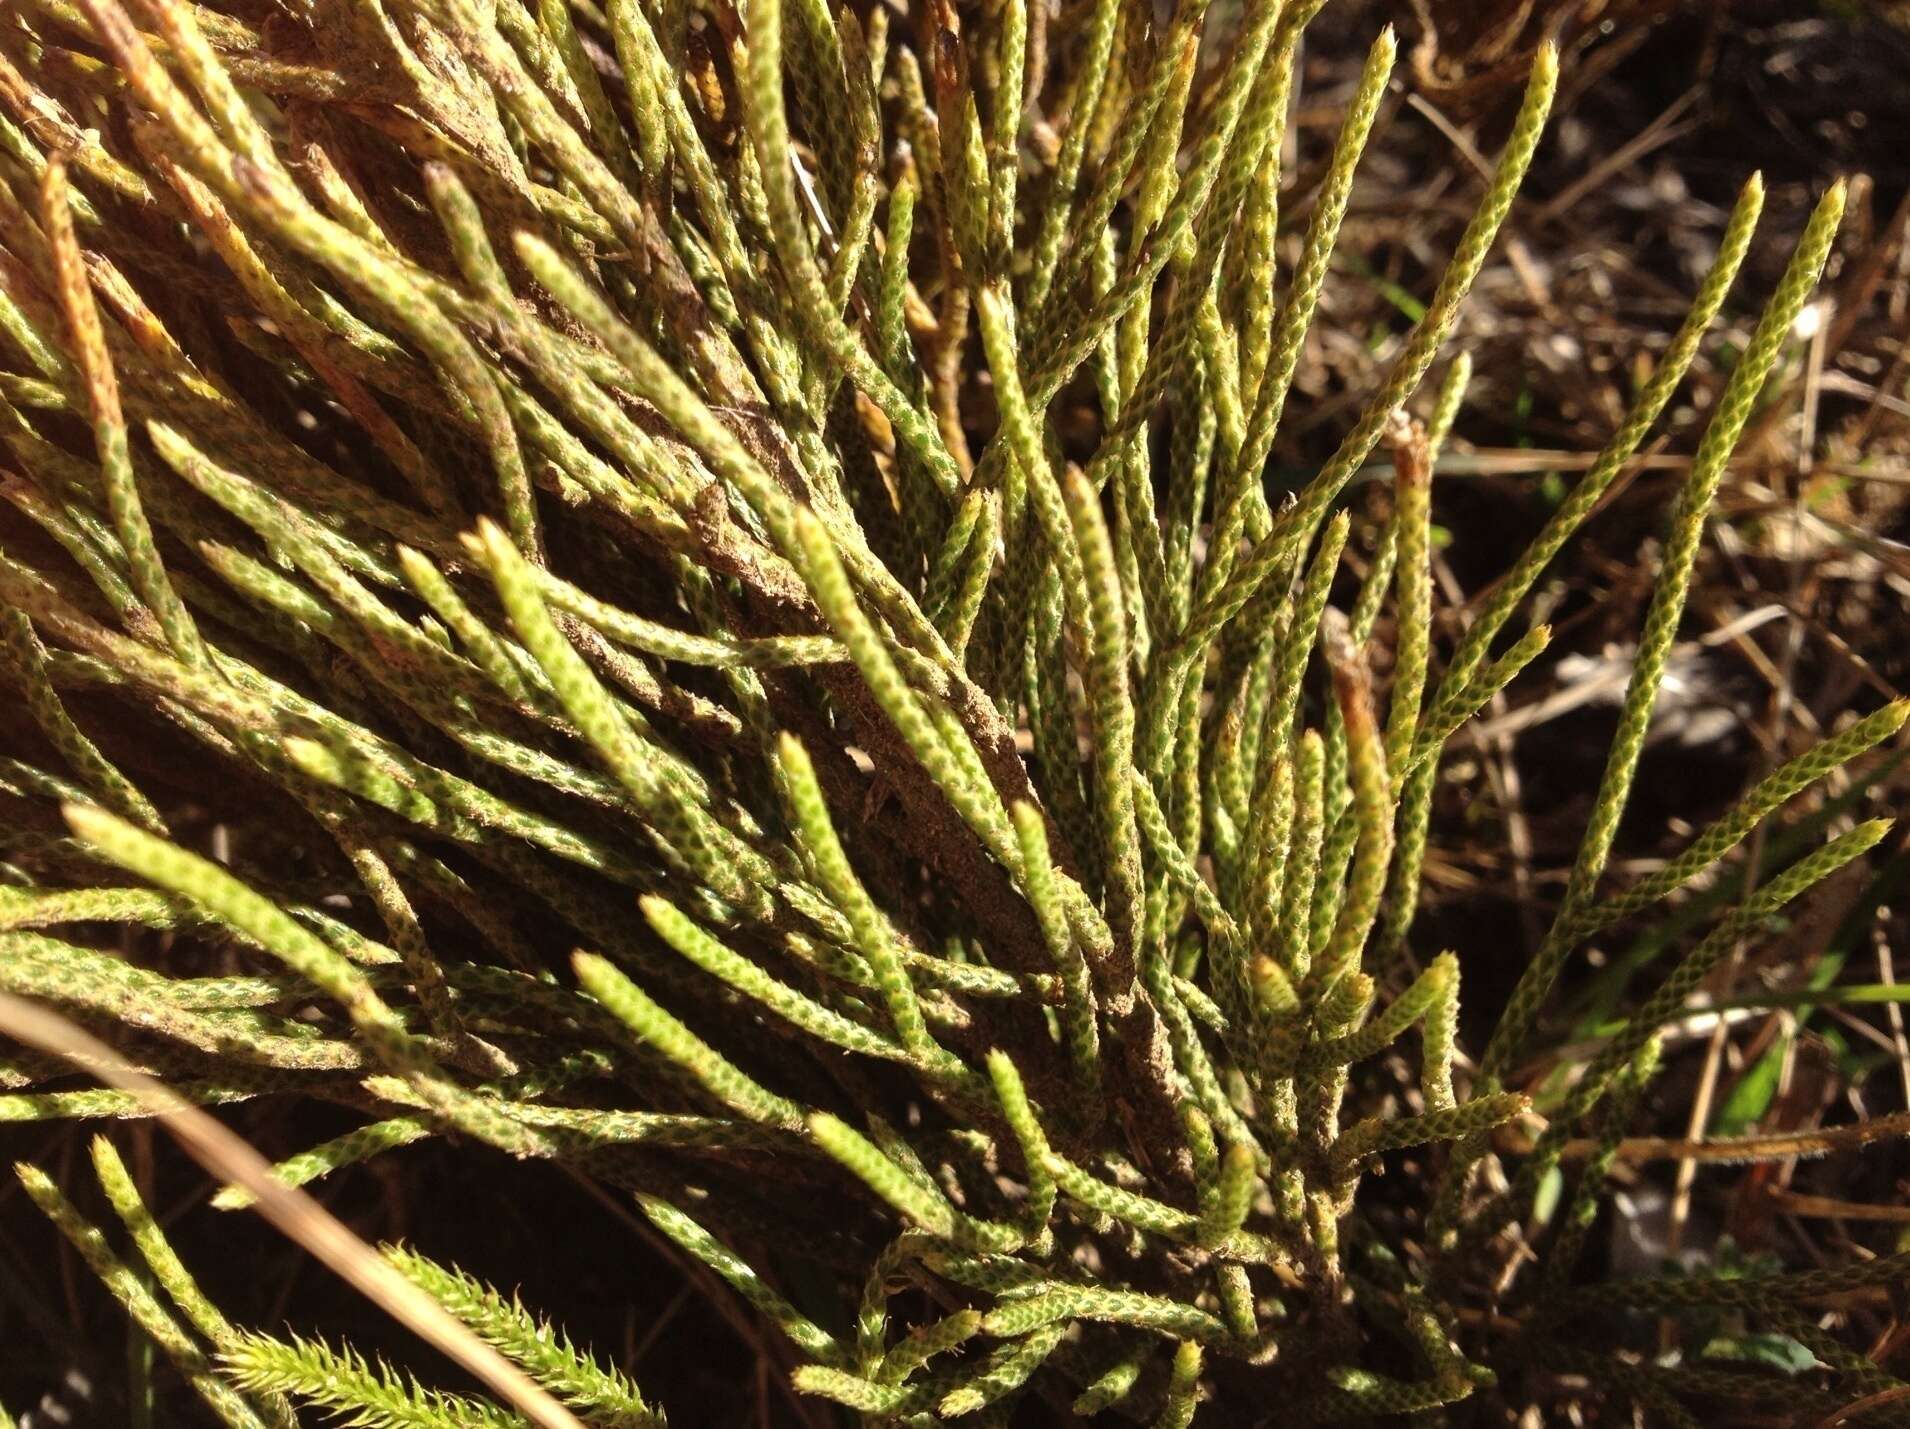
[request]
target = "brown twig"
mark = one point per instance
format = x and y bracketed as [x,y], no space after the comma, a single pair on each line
[1819,1142]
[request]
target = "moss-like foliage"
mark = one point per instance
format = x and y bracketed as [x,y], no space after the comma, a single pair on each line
[713,568]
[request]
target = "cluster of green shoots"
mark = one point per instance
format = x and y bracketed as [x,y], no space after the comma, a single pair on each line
[690,592]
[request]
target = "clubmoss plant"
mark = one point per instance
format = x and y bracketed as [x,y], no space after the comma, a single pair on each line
[713,570]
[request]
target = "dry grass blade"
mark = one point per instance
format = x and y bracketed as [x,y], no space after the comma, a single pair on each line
[296,1214]
[1772,1147]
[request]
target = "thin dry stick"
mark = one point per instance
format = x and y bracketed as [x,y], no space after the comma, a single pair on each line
[1659,132]
[1893,1014]
[1829,1208]
[1818,1142]
[1857,1408]
[698,1276]
[296,1214]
